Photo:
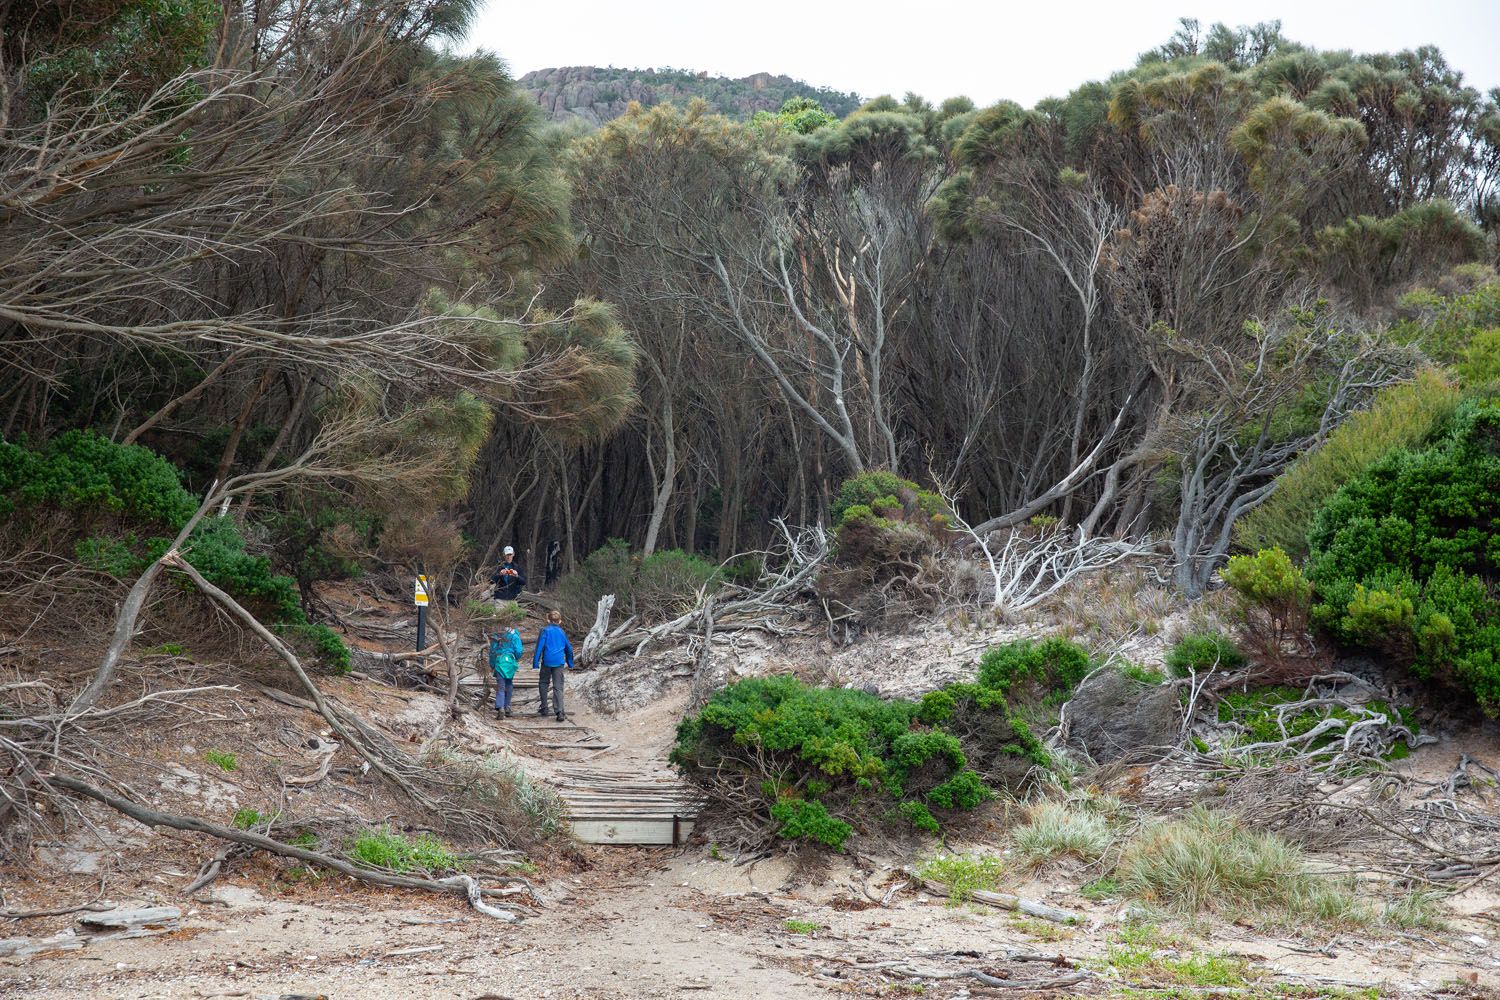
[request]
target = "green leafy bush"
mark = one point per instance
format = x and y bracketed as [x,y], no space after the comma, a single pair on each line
[244,819]
[1480,365]
[1202,652]
[1406,557]
[1031,672]
[117,493]
[963,874]
[889,532]
[663,585]
[1445,325]
[1272,597]
[801,819]
[824,760]
[869,489]
[1402,416]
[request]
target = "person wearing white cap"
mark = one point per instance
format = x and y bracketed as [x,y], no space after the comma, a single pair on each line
[508,579]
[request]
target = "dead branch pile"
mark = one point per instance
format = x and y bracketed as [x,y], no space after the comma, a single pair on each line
[770,605]
[57,744]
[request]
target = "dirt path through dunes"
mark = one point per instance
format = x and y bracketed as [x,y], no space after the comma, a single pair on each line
[623,929]
[640,923]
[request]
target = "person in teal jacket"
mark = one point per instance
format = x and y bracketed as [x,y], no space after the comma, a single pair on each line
[505,653]
[553,655]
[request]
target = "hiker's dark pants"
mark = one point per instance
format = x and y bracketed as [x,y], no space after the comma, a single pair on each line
[504,687]
[553,677]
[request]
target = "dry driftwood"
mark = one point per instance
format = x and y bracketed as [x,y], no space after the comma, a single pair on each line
[347,733]
[592,642]
[1003,900]
[463,884]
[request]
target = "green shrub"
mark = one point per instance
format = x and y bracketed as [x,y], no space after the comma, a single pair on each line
[82,472]
[1032,672]
[801,819]
[868,489]
[1137,672]
[1267,579]
[388,851]
[1406,557]
[822,757]
[1402,416]
[1202,652]
[1480,367]
[801,926]
[244,819]
[659,587]
[1444,326]
[102,483]
[1272,597]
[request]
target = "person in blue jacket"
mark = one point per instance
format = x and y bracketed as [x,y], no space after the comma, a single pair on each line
[553,655]
[505,653]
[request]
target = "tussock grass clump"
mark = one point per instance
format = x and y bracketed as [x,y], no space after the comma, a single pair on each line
[1208,861]
[1055,829]
[1419,910]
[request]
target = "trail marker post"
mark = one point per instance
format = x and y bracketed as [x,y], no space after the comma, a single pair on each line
[419,595]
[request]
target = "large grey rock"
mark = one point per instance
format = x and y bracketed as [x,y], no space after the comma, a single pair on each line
[1117,718]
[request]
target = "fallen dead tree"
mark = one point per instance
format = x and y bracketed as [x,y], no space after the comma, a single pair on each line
[1001,900]
[1030,565]
[465,885]
[764,606]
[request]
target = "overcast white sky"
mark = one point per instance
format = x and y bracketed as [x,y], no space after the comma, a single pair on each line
[985,50]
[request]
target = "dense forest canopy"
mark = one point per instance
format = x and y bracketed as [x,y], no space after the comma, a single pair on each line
[311,253]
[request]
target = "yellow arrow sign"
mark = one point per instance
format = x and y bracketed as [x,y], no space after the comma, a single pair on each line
[421,592]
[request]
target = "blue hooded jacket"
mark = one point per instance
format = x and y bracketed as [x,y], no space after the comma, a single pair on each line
[505,650]
[552,648]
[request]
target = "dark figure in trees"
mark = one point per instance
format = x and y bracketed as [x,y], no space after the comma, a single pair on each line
[554,561]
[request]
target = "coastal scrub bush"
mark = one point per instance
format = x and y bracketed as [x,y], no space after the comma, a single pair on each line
[388,851]
[1030,672]
[125,503]
[1406,557]
[655,588]
[817,755]
[817,763]
[963,874]
[1271,597]
[1401,416]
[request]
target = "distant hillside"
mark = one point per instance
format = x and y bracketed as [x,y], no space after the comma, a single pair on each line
[597,94]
